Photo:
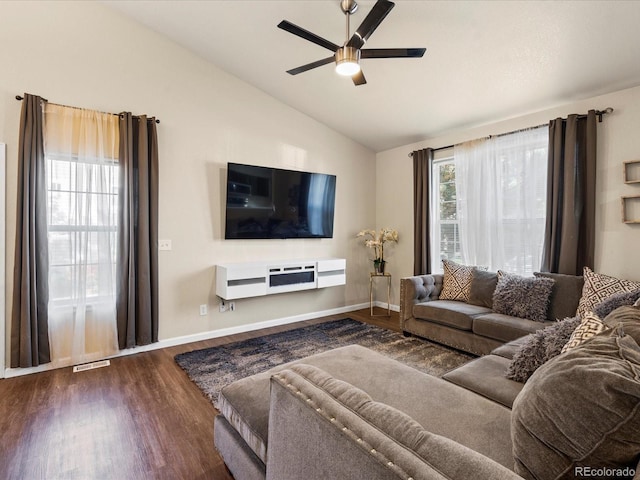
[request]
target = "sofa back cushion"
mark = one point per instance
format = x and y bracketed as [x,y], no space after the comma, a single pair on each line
[483,284]
[580,410]
[565,295]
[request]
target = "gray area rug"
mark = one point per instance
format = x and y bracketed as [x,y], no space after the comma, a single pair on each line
[213,368]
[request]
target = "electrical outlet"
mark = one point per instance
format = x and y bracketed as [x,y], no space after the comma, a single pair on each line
[223,306]
[164,244]
[203,309]
[232,306]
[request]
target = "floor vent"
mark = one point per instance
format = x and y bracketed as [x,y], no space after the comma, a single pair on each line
[91,366]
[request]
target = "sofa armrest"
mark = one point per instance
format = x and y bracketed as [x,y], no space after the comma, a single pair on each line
[321,427]
[417,289]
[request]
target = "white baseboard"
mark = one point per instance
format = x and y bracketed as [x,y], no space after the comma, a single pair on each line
[223,332]
[392,307]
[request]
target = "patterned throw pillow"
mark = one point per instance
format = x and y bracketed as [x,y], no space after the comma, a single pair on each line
[456,284]
[589,327]
[598,287]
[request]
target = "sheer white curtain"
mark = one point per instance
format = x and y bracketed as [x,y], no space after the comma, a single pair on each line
[501,197]
[81,150]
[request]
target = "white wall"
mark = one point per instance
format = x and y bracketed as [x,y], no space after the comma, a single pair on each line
[85,55]
[618,141]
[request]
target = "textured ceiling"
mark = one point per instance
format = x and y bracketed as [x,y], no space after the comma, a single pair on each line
[486,60]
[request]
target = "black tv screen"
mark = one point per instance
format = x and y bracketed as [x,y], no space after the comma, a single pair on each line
[267,202]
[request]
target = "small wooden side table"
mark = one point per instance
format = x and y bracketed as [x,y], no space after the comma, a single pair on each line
[373,276]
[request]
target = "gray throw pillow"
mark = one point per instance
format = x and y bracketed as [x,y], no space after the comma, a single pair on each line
[617,300]
[522,297]
[565,295]
[483,284]
[580,410]
[540,347]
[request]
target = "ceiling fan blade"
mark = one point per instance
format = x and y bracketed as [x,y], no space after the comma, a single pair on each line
[307,35]
[358,78]
[392,52]
[309,66]
[379,11]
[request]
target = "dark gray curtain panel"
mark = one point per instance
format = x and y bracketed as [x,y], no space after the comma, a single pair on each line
[137,269]
[29,318]
[422,161]
[569,243]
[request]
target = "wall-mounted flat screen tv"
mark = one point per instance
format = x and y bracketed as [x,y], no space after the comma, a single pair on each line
[267,202]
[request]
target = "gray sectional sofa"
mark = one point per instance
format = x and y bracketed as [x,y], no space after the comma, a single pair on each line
[473,326]
[351,413]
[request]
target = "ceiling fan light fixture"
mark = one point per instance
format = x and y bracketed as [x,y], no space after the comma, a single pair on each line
[347,59]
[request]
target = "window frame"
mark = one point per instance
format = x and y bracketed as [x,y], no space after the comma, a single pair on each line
[437,222]
[55,302]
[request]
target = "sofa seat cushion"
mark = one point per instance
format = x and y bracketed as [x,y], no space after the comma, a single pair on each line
[449,312]
[505,327]
[509,349]
[245,402]
[481,424]
[486,377]
[247,413]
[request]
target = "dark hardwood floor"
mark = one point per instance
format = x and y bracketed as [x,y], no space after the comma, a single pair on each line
[140,418]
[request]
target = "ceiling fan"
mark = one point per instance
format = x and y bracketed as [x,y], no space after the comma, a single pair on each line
[347,56]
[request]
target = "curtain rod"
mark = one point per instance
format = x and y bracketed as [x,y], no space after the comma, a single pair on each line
[20,98]
[599,114]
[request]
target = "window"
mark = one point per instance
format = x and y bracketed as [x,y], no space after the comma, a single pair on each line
[489,203]
[82,199]
[446,229]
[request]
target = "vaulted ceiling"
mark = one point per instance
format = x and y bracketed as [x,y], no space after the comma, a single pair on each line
[486,60]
